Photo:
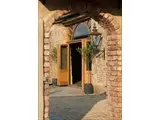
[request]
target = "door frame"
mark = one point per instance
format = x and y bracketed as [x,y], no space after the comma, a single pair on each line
[70,63]
[84,71]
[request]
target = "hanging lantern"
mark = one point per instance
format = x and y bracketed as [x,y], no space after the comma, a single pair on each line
[95,40]
[95,36]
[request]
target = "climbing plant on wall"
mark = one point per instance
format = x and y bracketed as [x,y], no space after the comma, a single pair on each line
[54,54]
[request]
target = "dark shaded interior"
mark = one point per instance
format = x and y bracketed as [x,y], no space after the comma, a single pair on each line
[76,63]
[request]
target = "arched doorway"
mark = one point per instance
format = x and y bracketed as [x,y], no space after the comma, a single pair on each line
[72,66]
[113,62]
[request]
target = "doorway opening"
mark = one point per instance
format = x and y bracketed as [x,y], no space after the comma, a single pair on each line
[76,64]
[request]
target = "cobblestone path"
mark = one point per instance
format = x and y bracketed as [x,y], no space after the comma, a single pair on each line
[72,107]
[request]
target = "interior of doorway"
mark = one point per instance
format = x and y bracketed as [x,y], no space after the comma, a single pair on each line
[76,64]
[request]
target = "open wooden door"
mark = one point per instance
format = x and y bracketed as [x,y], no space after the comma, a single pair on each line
[63,64]
[87,69]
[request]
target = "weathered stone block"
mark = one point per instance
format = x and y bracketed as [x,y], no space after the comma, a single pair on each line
[113,68]
[114,73]
[46,64]
[46,116]
[46,98]
[112,48]
[46,58]
[46,92]
[112,43]
[109,19]
[119,68]
[46,74]
[112,58]
[46,69]
[112,37]
[115,99]
[105,15]
[46,29]
[46,110]
[46,40]
[47,35]
[119,52]
[46,52]
[114,94]
[112,52]
[115,78]
[46,103]
[119,63]
[116,115]
[120,58]
[114,104]
[117,109]
[111,88]
[115,83]
[46,46]
[46,86]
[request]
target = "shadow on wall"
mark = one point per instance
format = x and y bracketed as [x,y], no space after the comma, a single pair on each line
[72,108]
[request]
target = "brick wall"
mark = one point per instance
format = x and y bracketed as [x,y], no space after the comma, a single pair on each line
[48,21]
[114,66]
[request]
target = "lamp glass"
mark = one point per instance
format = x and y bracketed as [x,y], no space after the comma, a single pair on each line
[96,40]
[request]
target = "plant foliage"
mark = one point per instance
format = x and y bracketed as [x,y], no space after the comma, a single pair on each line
[54,54]
[86,52]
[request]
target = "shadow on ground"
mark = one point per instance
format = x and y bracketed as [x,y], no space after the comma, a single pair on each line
[72,107]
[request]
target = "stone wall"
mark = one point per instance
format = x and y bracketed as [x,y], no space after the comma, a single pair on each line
[48,21]
[59,34]
[99,63]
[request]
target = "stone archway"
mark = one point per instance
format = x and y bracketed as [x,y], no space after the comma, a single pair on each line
[113,63]
[114,66]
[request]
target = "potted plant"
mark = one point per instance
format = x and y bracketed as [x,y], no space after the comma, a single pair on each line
[87,54]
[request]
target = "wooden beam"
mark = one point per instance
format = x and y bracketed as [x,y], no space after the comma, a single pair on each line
[68,15]
[76,18]
[76,21]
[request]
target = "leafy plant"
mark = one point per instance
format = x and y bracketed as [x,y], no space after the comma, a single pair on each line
[86,52]
[54,54]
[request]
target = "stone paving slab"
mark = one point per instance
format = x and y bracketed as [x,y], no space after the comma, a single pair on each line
[72,107]
[98,112]
[65,91]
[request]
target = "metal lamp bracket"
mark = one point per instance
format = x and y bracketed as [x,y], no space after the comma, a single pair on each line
[101,52]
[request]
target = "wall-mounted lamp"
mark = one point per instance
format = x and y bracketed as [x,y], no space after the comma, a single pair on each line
[96,39]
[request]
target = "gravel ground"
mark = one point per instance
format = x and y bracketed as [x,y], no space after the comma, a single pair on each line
[73,107]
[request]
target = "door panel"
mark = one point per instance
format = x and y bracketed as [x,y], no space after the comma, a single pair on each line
[63,64]
[87,67]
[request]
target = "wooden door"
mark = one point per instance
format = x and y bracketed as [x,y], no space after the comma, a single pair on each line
[63,64]
[87,67]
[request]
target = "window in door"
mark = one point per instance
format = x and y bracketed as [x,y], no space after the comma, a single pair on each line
[63,57]
[89,61]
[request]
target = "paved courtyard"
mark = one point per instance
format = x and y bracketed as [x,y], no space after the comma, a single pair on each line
[69,103]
